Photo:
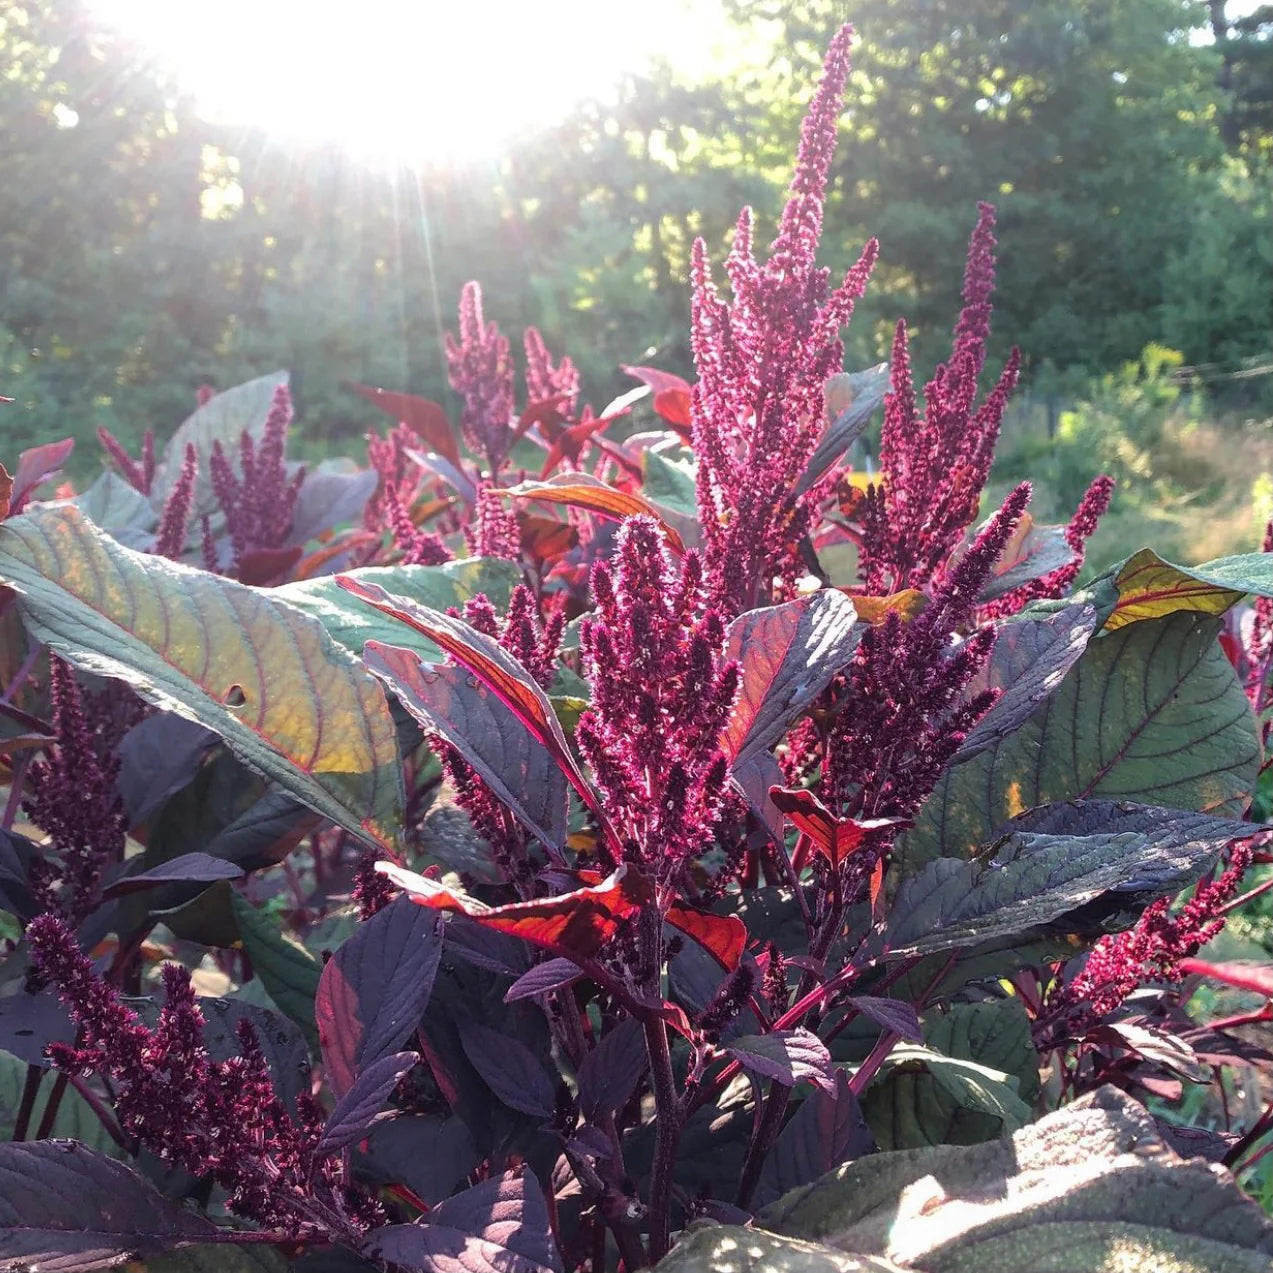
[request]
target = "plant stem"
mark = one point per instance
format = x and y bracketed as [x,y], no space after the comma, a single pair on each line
[104,1116]
[14,802]
[35,1076]
[49,1116]
[667,1131]
[763,1141]
[871,1066]
[21,674]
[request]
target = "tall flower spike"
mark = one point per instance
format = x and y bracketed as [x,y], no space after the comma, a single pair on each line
[170,542]
[935,462]
[544,379]
[140,475]
[418,547]
[762,362]
[481,372]
[661,692]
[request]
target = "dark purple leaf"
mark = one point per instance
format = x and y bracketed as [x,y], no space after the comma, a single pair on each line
[552,974]
[449,700]
[64,1208]
[374,989]
[508,1210]
[29,1022]
[361,1105]
[510,1069]
[824,1132]
[442,1250]
[485,947]
[440,466]
[37,465]
[190,868]
[754,777]
[893,1014]
[786,1055]
[788,655]
[16,854]
[427,1155]
[609,1074]
[158,757]
[327,498]
[1030,659]
[1033,552]
[868,388]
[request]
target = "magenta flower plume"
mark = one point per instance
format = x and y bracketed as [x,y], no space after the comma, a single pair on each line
[139,474]
[661,692]
[494,531]
[935,460]
[170,541]
[259,501]
[481,372]
[222,1119]
[418,547]
[388,456]
[546,379]
[762,362]
[71,797]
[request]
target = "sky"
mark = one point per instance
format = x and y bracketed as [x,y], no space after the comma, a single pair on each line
[411,79]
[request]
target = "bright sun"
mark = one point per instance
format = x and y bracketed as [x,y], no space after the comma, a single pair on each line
[401,80]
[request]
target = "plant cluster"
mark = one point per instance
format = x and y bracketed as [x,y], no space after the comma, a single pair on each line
[543,842]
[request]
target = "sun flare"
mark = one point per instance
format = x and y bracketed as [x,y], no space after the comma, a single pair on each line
[403,81]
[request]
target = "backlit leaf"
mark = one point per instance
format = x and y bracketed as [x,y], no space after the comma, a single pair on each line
[427,418]
[788,655]
[787,1056]
[865,391]
[724,937]
[286,699]
[1149,587]
[37,465]
[449,701]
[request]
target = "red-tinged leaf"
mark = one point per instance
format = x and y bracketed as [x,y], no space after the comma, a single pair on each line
[835,838]
[575,925]
[65,1208]
[360,1107]
[552,974]
[6,492]
[545,539]
[906,604]
[374,990]
[658,381]
[570,442]
[485,731]
[491,664]
[788,655]
[787,1056]
[37,465]
[1258,978]
[609,1074]
[189,868]
[674,405]
[510,1069]
[892,1014]
[265,566]
[582,490]
[546,413]
[341,546]
[722,936]
[427,418]
[441,467]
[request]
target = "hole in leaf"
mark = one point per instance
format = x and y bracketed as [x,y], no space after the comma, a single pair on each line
[235,697]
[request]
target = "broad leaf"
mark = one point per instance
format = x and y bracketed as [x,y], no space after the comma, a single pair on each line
[158,757]
[361,1105]
[1032,552]
[1089,1189]
[895,1015]
[510,1069]
[509,1210]
[74,1120]
[922,1097]
[448,700]
[331,494]
[64,1208]
[834,838]
[426,1154]
[120,509]
[1048,865]
[1030,660]
[1124,724]
[488,661]
[724,937]
[866,391]
[351,624]
[581,490]
[788,655]
[37,465]
[287,970]
[727,1249]
[787,1056]
[374,989]
[609,1074]
[993,1032]
[427,418]
[552,974]
[189,868]
[1149,587]
[224,418]
[16,855]
[286,700]
[575,925]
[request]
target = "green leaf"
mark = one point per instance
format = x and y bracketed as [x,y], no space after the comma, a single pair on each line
[1090,1189]
[670,484]
[223,418]
[716,1248]
[286,699]
[993,1032]
[1049,864]
[923,1097]
[121,510]
[1153,712]
[351,623]
[1149,587]
[75,1119]
[220,1257]
[287,970]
